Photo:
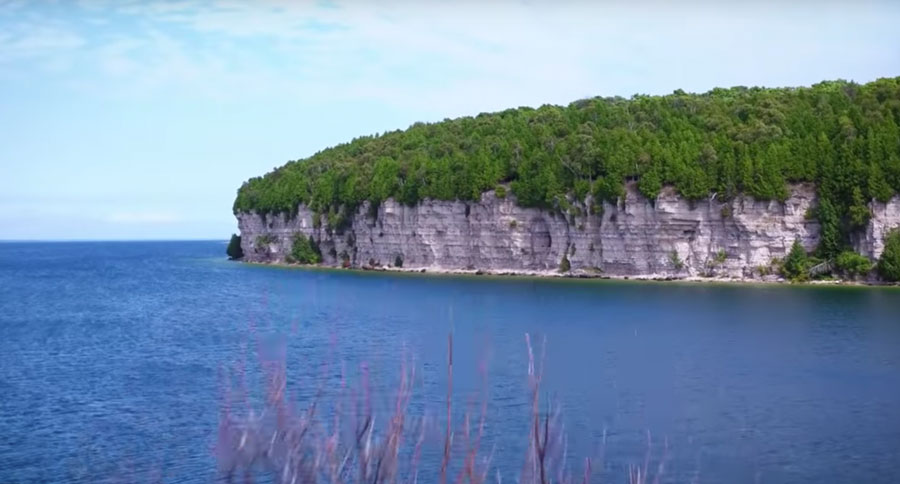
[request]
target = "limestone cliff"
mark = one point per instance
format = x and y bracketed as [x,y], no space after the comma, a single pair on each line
[666,237]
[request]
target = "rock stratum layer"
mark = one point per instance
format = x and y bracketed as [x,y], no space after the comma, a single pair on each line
[636,237]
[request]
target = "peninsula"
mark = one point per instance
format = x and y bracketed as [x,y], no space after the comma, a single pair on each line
[739,183]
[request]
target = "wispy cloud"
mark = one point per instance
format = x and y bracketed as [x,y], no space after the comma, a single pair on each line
[152,112]
[29,41]
[451,56]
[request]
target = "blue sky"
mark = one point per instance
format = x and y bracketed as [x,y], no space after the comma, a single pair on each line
[140,119]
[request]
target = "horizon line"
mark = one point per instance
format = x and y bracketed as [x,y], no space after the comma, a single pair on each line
[13,241]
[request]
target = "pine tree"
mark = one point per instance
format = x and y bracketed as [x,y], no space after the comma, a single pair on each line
[796,264]
[830,239]
[859,212]
[889,263]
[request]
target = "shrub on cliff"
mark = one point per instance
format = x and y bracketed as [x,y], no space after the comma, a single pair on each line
[234,250]
[796,265]
[889,263]
[675,260]
[852,265]
[304,250]
[564,265]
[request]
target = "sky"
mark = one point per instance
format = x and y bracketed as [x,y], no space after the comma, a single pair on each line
[140,119]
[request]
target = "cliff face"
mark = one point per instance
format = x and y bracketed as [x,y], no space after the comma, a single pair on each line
[885,217]
[668,237]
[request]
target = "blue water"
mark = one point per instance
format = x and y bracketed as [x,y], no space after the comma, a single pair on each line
[110,355]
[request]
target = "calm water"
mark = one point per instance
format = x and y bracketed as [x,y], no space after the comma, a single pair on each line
[109,356]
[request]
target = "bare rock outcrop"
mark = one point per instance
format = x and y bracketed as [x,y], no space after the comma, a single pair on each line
[636,237]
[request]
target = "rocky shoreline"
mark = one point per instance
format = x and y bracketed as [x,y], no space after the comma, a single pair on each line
[668,238]
[438,272]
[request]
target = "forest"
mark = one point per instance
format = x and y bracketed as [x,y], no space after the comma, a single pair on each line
[840,135]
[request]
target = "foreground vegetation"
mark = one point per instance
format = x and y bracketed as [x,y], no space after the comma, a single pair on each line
[339,437]
[842,136]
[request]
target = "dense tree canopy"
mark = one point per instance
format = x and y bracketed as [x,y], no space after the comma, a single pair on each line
[841,135]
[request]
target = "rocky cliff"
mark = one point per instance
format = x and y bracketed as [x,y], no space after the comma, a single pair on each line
[666,237]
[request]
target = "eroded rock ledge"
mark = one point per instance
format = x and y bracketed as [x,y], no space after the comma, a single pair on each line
[667,237]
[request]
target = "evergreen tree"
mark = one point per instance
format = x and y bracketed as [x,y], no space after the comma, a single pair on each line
[889,263]
[796,264]
[830,243]
[878,185]
[859,212]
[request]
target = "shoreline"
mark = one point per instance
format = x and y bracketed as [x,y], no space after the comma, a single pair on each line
[579,276]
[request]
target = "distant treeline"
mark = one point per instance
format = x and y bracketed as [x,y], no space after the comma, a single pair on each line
[840,135]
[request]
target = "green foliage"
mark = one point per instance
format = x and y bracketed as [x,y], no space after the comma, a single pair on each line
[263,241]
[305,250]
[858,211]
[830,239]
[721,256]
[718,260]
[234,250]
[796,265]
[842,136]
[675,260]
[889,263]
[500,191]
[852,265]
[564,265]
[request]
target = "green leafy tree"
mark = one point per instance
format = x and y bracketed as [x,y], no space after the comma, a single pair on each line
[852,265]
[650,184]
[304,250]
[234,250]
[889,262]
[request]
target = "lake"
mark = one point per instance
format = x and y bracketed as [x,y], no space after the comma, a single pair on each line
[111,355]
